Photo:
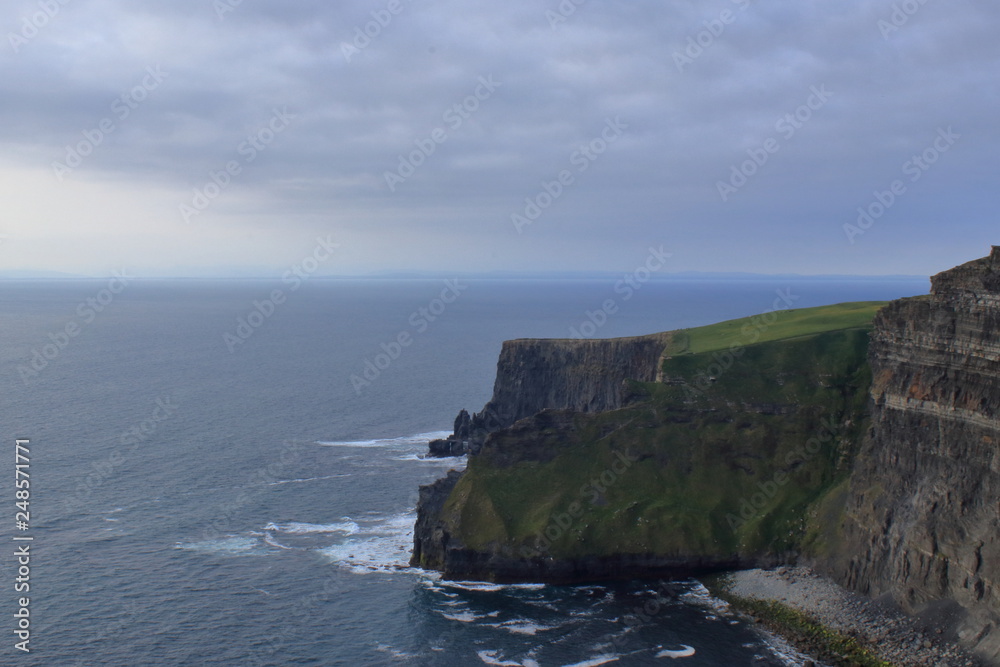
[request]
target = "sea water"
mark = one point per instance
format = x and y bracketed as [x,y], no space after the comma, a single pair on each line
[200,501]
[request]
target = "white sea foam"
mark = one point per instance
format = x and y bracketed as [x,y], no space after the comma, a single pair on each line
[452,461]
[402,442]
[699,595]
[231,545]
[395,524]
[490,588]
[522,627]
[305,479]
[496,658]
[462,617]
[346,527]
[269,539]
[684,652]
[381,544]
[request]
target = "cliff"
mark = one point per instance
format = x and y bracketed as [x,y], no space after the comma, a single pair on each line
[921,521]
[579,375]
[862,439]
[708,464]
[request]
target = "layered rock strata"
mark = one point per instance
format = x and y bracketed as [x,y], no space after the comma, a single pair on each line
[922,521]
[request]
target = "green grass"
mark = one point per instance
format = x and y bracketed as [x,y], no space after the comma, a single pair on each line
[779,325]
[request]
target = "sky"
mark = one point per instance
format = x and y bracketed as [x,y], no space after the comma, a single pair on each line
[245,137]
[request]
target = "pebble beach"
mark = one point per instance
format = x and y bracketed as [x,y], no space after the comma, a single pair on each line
[895,637]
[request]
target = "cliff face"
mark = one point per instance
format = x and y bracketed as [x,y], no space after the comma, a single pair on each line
[579,375]
[922,519]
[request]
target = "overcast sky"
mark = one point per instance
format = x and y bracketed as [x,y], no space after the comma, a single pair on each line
[740,135]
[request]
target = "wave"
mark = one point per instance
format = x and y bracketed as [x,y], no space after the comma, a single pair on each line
[346,527]
[381,544]
[264,542]
[269,539]
[485,587]
[462,617]
[522,627]
[305,479]
[496,658]
[440,460]
[231,545]
[699,596]
[400,442]
[684,652]
[594,662]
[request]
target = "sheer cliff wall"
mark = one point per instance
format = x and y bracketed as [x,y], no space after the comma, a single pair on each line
[923,513]
[578,375]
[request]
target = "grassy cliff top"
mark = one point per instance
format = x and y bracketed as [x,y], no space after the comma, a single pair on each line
[786,324]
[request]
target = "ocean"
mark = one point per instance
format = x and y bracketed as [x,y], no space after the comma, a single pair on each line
[225,472]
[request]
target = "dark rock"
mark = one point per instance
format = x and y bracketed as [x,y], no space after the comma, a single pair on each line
[579,375]
[449,446]
[922,521]
[431,539]
[463,425]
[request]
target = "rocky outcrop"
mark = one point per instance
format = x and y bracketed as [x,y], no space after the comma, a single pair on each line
[431,537]
[922,520]
[456,444]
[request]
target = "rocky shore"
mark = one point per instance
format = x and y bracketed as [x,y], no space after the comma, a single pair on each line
[879,625]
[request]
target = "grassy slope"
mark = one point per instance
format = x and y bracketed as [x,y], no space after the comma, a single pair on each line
[705,449]
[787,324]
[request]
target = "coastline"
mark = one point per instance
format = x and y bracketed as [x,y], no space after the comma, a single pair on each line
[839,619]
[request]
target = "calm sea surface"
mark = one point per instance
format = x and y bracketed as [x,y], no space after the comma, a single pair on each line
[200,501]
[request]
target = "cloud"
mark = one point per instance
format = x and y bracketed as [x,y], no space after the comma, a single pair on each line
[700,86]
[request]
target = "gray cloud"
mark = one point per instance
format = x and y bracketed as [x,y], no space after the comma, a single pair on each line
[693,113]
